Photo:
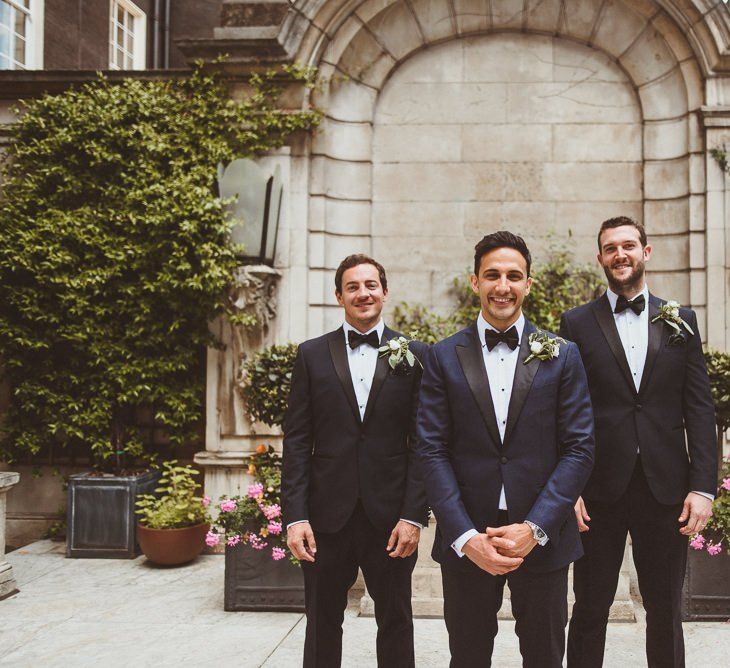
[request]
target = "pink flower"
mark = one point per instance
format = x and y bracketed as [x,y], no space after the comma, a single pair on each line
[228,505]
[255,542]
[713,549]
[726,484]
[212,539]
[271,512]
[255,490]
[277,553]
[274,528]
[233,540]
[698,542]
[206,500]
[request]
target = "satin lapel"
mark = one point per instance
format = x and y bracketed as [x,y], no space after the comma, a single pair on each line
[657,332]
[524,375]
[336,341]
[381,374]
[602,311]
[472,364]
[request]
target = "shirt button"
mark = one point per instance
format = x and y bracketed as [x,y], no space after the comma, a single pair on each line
[503,460]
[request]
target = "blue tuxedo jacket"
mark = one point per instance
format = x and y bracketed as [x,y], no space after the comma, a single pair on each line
[544,462]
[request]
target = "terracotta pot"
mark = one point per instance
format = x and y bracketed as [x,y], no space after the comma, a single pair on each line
[171,547]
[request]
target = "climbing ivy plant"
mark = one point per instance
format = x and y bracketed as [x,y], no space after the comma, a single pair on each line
[115,253]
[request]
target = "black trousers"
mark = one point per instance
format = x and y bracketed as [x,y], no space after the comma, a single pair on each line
[334,571]
[660,556]
[472,598]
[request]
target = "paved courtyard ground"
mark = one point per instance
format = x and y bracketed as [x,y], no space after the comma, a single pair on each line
[109,613]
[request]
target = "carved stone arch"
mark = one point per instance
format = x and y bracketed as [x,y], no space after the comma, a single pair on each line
[359,45]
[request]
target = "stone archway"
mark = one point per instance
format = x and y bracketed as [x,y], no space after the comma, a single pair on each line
[361,46]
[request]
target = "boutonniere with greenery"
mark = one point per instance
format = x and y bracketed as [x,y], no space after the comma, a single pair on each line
[543,347]
[669,313]
[400,357]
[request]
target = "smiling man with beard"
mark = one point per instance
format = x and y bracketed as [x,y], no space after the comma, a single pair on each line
[650,391]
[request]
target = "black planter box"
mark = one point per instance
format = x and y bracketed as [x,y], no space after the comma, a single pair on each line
[706,587]
[101,519]
[254,581]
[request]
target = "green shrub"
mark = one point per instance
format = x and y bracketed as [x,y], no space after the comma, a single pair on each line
[267,382]
[177,506]
[116,254]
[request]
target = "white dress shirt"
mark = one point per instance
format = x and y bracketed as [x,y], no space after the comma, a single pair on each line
[500,363]
[633,330]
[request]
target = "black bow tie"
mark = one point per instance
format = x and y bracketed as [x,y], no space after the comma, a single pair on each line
[355,339]
[510,337]
[636,305]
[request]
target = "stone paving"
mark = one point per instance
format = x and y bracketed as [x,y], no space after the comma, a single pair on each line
[87,612]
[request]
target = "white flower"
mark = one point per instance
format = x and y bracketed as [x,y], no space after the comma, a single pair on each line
[556,350]
[673,305]
[393,345]
[674,312]
[536,347]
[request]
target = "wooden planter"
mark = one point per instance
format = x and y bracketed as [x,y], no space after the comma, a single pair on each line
[101,519]
[706,587]
[172,547]
[254,581]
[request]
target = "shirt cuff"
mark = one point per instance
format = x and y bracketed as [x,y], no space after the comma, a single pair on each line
[459,543]
[415,524]
[543,540]
[291,524]
[705,494]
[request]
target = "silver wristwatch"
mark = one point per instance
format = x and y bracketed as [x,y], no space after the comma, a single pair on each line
[537,533]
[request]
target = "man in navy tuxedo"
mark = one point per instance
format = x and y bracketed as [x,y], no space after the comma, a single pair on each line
[505,445]
[649,389]
[351,496]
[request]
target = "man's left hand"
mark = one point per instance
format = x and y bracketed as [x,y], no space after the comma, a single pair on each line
[403,539]
[520,534]
[696,511]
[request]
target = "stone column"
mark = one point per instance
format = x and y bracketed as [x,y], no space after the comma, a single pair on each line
[8,585]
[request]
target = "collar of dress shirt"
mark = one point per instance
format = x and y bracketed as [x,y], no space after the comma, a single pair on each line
[379,328]
[482,324]
[613,297]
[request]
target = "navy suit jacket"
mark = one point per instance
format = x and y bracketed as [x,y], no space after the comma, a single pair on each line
[332,458]
[545,459]
[673,399]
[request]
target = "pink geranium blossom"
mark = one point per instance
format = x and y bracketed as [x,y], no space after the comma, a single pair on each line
[255,490]
[726,484]
[274,528]
[698,542]
[713,549]
[277,553]
[233,540]
[212,539]
[271,512]
[206,500]
[227,506]
[255,542]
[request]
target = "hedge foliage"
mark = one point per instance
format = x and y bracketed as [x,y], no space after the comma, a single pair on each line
[115,253]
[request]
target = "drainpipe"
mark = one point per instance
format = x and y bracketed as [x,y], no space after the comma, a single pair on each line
[156,36]
[166,35]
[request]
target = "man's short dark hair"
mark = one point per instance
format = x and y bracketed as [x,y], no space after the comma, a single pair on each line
[620,221]
[501,239]
[352,261]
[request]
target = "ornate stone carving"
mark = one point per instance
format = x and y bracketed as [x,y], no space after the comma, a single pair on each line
[254,293]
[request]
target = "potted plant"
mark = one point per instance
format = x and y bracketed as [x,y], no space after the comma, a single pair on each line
[707,582]
[260,571]
[173,525]
[116,255]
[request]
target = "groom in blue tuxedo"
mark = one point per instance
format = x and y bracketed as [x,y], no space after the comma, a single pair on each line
[505,445]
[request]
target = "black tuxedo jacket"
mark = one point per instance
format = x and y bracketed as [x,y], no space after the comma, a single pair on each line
[332,458]
[673,400]
[545,459]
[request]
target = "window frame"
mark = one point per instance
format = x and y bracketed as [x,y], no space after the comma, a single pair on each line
[138,32]
[33,35]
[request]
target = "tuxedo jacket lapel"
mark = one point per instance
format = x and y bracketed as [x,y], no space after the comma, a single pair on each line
[381,373]
[472,364]
[524,375]
[605,319]
[336,341]
[657,332]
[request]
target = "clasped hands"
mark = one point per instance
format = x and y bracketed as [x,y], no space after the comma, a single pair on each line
[501,549]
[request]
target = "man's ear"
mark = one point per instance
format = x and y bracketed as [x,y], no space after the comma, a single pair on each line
[529,285]
[338,296]
[385,294]
[647,252]
[474,282]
